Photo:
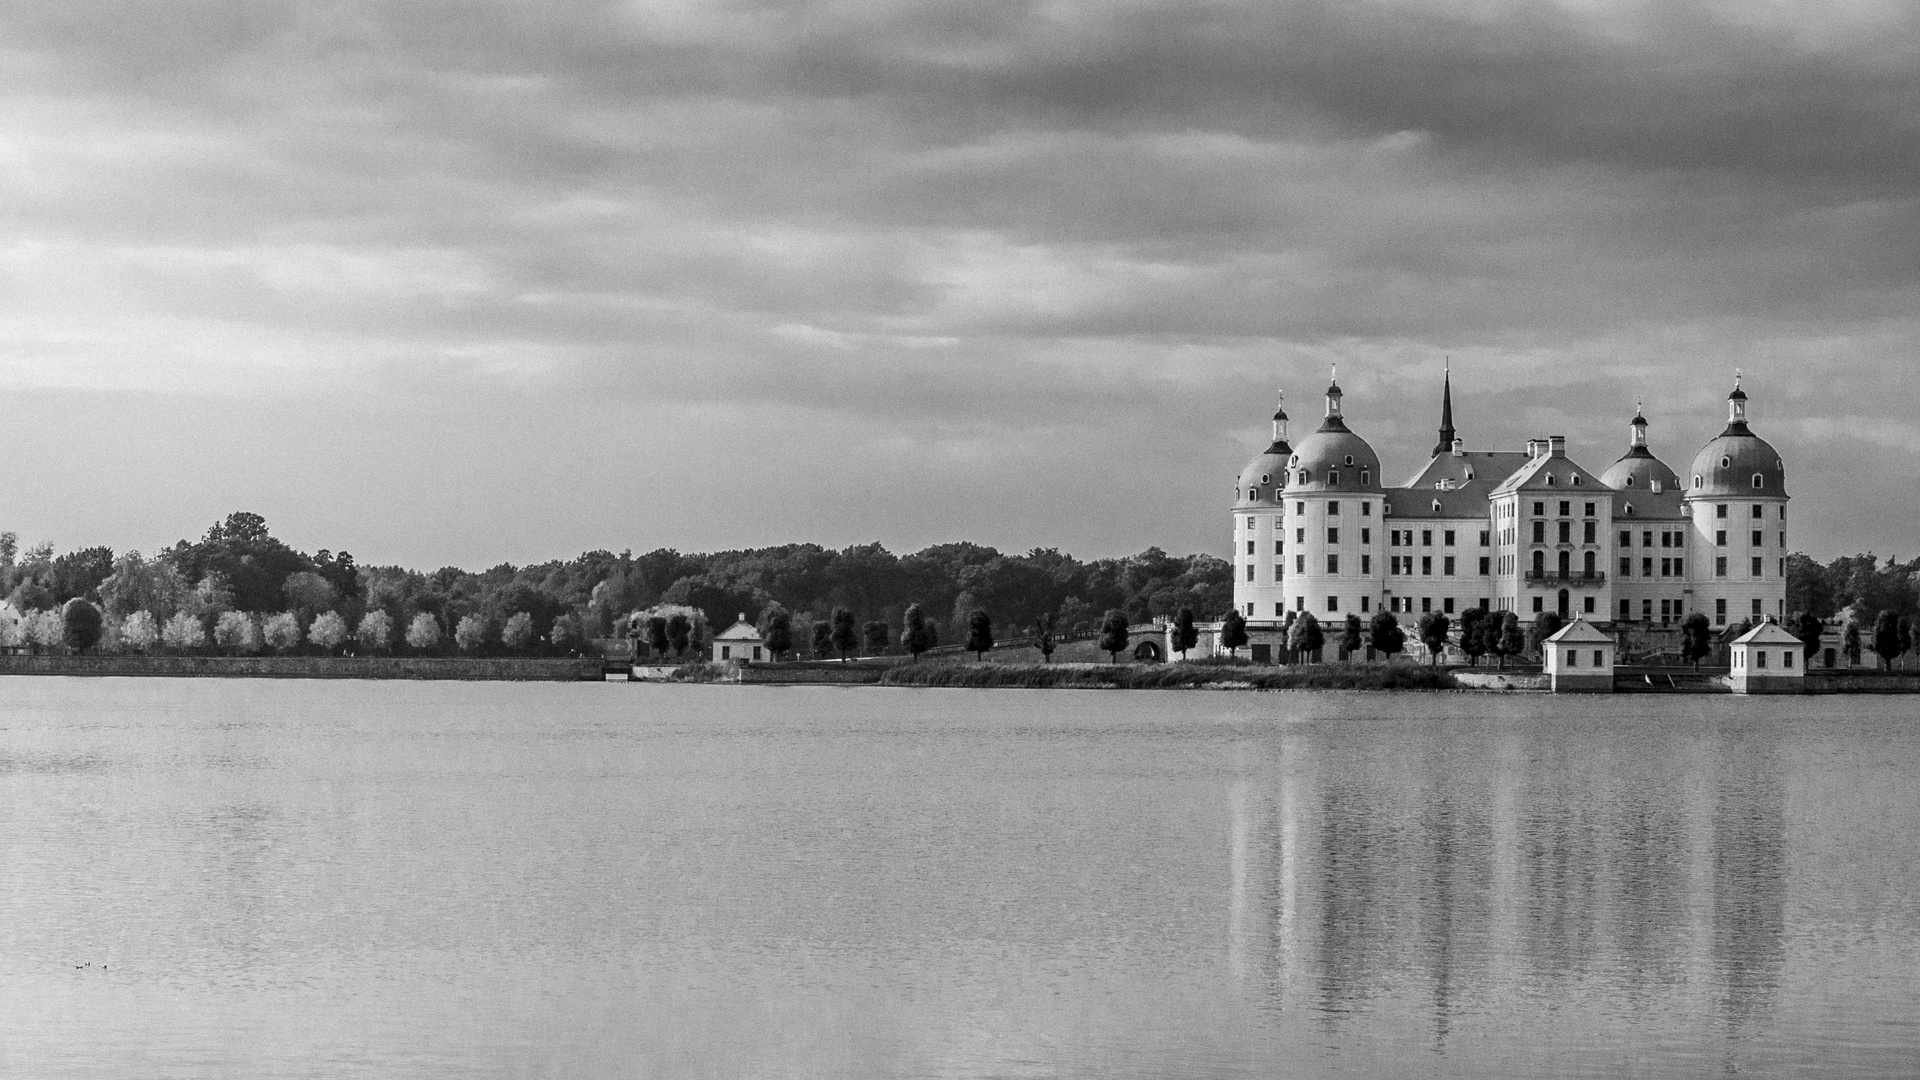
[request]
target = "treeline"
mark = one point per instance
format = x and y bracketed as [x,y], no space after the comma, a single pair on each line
[1857,588]
[240,589]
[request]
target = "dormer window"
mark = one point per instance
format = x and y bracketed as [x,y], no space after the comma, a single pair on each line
[1349,460]
[1436,506]
[1549,479]
[1333,477]
[1696,479]
[1366,477]
[1576,479]
[1629,509]
[1759,481]
[1303,476]
[1294,460]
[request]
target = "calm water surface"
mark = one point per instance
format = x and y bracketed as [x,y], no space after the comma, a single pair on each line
[262,879]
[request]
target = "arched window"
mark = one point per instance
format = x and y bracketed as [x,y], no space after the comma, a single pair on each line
[1696,479]
[1576,479]
[1759,481]
[1539,564]
[1303,476]
[1366,477]
[1629,508]
[1436,506]
[1549,479]
[1566,563]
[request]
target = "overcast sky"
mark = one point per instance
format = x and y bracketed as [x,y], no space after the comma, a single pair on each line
[463,283]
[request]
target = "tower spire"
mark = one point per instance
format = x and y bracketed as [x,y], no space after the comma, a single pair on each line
[1445,445]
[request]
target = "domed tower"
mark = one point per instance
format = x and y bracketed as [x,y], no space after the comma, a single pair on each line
[1638,471]
[1334,503]
[1736,502]
[1259,539]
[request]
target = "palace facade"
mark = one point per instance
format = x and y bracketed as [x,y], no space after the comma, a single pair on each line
[1316,529]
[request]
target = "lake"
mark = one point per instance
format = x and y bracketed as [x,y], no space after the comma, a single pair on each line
[333,879]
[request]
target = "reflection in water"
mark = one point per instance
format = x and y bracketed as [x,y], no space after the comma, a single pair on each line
[228,878]
[1532,867]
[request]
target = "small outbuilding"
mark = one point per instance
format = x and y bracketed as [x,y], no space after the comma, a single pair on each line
[1579,659]
[739,643]
[1767,660]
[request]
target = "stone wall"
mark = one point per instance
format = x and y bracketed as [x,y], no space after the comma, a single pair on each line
[1860,681]
[525,669]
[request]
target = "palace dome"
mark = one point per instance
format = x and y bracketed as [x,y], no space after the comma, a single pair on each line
[1333,458]
[1638,469]
[1266,474]
[1737,463]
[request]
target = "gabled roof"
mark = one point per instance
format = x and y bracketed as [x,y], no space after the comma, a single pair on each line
[1461,485]
[1581,632]
[740,631]
[1533,477]
[1469,501]
[1666,504]
[1769,633]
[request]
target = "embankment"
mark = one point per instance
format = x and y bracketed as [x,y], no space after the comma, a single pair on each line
[1175,676]
[504,668]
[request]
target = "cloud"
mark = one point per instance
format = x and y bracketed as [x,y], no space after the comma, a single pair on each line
[1001,237]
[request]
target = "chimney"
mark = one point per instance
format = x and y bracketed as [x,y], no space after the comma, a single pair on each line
[1557,446]
[1459,448]
[743,616]
[1533,449]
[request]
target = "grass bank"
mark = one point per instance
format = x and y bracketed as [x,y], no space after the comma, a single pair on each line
[1174,676]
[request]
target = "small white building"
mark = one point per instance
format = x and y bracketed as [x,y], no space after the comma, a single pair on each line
[740,643]
[1579,659]
[1767,660]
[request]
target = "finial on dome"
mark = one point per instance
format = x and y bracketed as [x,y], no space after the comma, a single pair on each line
[1737,406]
[1333,393]
[1280,421]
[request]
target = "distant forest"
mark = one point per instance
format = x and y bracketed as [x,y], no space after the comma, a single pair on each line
[239,566]
[240,588]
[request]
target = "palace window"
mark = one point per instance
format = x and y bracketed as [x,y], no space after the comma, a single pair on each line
[1626,538]
[1448,537]
[1299,564]
[1539,604]
[1720,566]
[1720,538]
[1249,571]
[1646,567]
[1720,611]
[1576,479]
[1626,566]
[1539,509]
[1266,478]
[1486,566]
[1539,532]
[1333,509]
[1366,508]
[1566,532]
[1720,510]
[1426,603]
[1587,532]
[1759,538]
[1447,605]
[1679,568]
[1566,508]
[1249,547]
[1426,565]
[1426,537]
[1756,567]
[1333,535]
[1366,564]
[1446,566]
[1486,538]
[1300,536]
[1333,603]
[1759,481]
[1366,477]
[1300,508]
[1366,536]
[1279,547]
[1333,478]
[1756,608]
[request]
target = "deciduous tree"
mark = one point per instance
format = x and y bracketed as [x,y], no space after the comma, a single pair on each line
[281,631]
[845,640]
[776,629]
[1386,636]
[979,634]
[679,633]
[470,633]
[916,633]
[423,633]
[1473,634]
[1696,639]
[329,631]
[1434,627]
[80,625]
[1115,629]
[822,638]
[1886,639]
[375,632]
[517,632]
[138,632]
[1233,632]
[878,637]
[1185,634]
[183,632]
[1353,637]
[1306,638]
[1043,638]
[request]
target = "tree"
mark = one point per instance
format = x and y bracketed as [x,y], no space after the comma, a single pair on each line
[375,632]
[138,631]
[1306,638]
[679,633]
[657,635]
[31,596]
[1473,634]
[469,633]
[308,593]
[81,625]
[329,630]
[1043,638]
[1510,639]
[1434,627]
[916,634]
[1185,634]
[822,638]
[1850,643]
[1115,629]
[1074,614]
[567,634]
[1696,639]
[844,638]
[1233,632]
[1808,629]
[1353,638]
[1547,624]
[517,633]
[1886,639]
[423,633]
[141,584]
[46,629]
[234,631]
[979,635]
[183,632]
[878,636]
[776,629]
[282,631]
[1386,636]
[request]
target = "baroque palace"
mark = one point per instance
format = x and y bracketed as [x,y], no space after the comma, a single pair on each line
[1316,529]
